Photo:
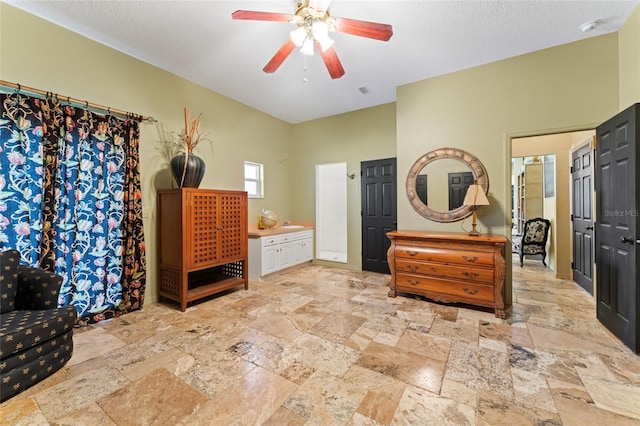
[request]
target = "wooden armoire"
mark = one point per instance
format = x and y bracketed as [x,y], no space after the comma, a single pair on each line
[202,243]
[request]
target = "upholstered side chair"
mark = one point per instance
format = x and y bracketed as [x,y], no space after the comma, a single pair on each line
[534,238]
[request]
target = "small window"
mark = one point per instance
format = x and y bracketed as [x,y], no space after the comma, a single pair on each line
[253,180]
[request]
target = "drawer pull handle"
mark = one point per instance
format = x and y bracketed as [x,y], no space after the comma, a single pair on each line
[471,275]
[474,291]
[413,282]
[411,253]
[413,268]
[470,259]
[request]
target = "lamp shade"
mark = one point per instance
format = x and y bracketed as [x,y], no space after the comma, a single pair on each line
[475,196]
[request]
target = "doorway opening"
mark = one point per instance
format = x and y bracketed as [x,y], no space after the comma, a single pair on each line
[331,212]
[560,145]
[533,196]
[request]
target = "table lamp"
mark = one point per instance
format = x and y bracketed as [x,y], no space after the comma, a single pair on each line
[475,197]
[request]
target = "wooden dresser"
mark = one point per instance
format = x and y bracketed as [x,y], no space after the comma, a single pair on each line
[202,243]
[449,267]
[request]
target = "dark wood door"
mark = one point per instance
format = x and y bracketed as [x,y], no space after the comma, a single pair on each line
[379,214]
[617,225]
[421,188]
[582,216]
[458,185]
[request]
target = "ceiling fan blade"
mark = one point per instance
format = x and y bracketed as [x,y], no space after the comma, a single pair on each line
[252,15]
[367,29]
[279,57]
[330,58]
[319,5]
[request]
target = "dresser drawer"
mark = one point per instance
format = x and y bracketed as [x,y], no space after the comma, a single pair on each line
[269,241]
[443,287]
[458,272]
[442,254]
[449,267]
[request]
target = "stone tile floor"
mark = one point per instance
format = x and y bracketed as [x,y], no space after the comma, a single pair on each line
[324,346]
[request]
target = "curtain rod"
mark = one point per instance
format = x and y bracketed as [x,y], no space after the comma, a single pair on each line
[18,88]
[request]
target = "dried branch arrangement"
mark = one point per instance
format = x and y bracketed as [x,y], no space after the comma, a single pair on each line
[184,141]
[191,135]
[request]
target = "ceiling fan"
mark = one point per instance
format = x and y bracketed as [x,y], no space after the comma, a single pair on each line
[314,24]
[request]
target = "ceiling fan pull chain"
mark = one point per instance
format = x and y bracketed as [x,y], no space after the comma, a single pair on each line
[305,69]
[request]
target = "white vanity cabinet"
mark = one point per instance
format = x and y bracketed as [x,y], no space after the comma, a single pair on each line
[302,248]
[272,253]
[267,252]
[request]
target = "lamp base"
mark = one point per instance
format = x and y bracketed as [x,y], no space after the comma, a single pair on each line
[474,232]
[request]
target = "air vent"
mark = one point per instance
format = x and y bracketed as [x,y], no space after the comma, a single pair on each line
[364,90]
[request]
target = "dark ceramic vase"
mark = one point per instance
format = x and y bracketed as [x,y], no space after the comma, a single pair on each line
[188,170]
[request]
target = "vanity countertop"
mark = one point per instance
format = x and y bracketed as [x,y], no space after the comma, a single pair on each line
[254,232]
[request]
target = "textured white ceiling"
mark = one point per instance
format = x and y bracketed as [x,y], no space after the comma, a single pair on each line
[198,40]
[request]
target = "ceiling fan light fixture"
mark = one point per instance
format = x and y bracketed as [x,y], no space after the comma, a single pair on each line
[325,43]
[320,33]
[319,30]
[307,47]
[298,36]
[314,24]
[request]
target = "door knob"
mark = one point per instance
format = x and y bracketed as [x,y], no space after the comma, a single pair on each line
[628,240]
[589,228]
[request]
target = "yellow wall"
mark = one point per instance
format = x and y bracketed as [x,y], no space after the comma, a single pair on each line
[480,110]
[549,208]
[363,135]
[39,54]
[629,57]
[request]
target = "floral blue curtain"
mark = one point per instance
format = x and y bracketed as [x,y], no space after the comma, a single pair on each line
[70,201]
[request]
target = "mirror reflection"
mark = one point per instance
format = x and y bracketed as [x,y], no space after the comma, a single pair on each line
[438,181]
[447,173]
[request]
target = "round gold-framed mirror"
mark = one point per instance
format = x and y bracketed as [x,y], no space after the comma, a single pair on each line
[470,168]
